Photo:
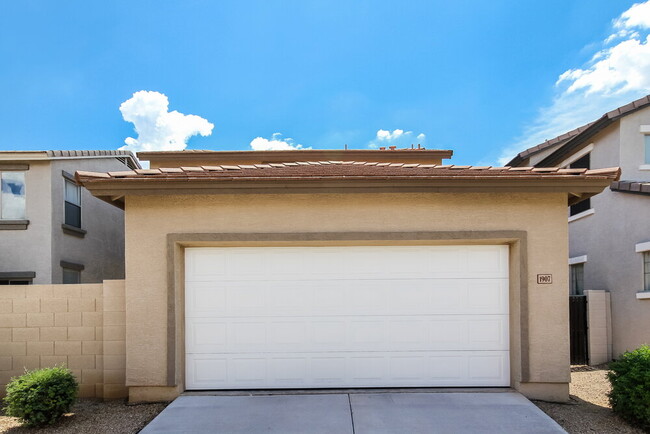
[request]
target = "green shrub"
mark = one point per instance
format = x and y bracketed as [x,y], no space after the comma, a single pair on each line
[630,378]
[42,396]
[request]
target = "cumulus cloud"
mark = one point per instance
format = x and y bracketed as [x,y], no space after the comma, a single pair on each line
[159,129]
[275,143]
[616,74]
[397,137]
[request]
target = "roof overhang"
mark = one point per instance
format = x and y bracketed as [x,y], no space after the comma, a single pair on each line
[114,190]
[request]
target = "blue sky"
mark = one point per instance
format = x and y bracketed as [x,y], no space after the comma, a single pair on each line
[477,77]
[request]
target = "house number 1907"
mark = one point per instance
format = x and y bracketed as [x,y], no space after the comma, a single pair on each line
[543,279]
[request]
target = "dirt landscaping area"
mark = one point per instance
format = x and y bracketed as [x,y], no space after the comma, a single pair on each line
[90,416]
[589,410]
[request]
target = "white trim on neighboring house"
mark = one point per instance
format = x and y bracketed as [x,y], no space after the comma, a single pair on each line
[583,214]
[578,155]
[644,129]
[644,167]
[642,247]
[578,260]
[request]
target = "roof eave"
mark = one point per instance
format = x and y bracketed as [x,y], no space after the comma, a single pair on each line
[114,190]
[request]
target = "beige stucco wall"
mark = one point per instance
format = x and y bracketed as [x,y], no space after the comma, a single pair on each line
[599,326]
[149,219]
[79,326]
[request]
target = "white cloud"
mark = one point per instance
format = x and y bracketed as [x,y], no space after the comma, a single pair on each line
[159,129]
[397,137]
[636,16]
[275,143]
[615,75]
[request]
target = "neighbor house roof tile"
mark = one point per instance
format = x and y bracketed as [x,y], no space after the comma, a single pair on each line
[638,187]
[583,132]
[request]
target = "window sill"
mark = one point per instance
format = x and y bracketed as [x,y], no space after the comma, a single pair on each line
[581,215]
[14,225]
[75,232]
[644,167]
[643,295]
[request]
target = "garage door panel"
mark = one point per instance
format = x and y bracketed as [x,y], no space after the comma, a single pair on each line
[324,263]
[347,297]
[397,333]
[397,316]
[421,369]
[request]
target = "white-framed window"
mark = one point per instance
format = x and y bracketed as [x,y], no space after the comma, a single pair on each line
[646,271]
[644,249]
[646,149]
[12,195]
[72,204]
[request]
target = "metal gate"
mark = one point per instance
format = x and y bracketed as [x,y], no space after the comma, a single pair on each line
[578,328]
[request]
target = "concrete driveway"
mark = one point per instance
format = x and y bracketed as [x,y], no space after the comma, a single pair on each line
[359,413]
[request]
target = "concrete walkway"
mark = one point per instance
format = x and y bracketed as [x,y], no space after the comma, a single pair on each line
[362,413]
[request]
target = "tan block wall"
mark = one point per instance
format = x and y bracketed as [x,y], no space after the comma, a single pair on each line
[599,326]
[79,326]
[541,216]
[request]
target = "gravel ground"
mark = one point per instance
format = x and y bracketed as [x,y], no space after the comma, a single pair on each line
[90,416]
[589,411]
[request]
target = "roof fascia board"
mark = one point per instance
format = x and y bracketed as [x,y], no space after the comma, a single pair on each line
[565,151]
[24,156]
[123,187]
[281,156]
[42,156]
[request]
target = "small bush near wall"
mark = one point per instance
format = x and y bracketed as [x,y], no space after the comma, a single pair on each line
[42,396]
[630,378]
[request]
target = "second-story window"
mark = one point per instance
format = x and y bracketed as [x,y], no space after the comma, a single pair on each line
[647,148]
[581,163]
[72,204]
[12,195]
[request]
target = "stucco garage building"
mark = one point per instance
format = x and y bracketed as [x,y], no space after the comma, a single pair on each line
[314,269]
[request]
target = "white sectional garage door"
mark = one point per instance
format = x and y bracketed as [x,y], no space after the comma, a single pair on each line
[318,317]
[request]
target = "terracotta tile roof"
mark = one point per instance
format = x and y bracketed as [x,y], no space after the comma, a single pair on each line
[573,138]
[638,187]
[344,170]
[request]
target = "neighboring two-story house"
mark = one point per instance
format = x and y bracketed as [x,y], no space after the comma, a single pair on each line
[610,233]
[51,229]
